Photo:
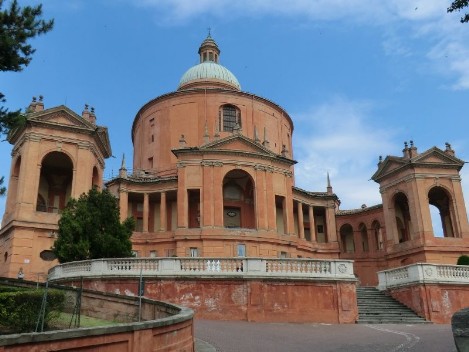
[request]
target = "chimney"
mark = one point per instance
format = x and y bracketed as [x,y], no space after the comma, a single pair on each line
[406,151]
[40,104]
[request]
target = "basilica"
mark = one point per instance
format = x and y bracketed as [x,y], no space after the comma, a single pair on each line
[212,175]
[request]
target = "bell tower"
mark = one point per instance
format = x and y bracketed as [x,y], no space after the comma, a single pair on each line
[56,155]
[413,184]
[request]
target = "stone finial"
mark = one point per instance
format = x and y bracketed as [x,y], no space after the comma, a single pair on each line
[123,170]
[182,141]
[237,128]
[217,133]
[206,135]
[380,160]
[256,135]
[406,151]
[89,115]
[36,105]
[265,142]
[284,151]
[329,187]
[448,149]
[412,150]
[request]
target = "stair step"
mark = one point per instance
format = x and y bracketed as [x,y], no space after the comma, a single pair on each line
[375,307]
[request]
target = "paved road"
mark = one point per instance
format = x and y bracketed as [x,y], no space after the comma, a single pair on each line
[235,336]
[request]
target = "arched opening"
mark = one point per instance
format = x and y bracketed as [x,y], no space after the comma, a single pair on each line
[403,221]
[55,183]
[440,210]
[230,118]
[364,237]
[346,238]
[13,185]
[95,182]
[378,235]
[238,200]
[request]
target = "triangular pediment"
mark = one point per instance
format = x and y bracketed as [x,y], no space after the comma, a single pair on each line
[61,116]
[235,144]
[431,158]
[435,156]
[238,143]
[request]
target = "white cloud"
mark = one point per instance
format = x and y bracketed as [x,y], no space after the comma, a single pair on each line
[340,137]
[425,21]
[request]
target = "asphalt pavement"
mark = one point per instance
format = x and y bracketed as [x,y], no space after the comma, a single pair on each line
[237,336]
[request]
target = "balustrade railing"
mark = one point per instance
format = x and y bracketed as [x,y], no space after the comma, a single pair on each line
[423,273]
[248,267]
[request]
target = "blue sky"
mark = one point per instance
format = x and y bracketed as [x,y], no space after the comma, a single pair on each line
[358,77]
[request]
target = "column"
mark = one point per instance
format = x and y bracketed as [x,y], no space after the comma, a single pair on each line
[312,224]
[330,221]
[146,206]
[163,217]
[301,229]
[123,204]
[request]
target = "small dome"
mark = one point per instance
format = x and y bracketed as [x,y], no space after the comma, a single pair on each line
[209,72]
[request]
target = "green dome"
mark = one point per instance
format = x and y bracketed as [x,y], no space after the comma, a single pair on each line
[209,71]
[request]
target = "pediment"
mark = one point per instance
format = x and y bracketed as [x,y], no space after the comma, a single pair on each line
[235,144]
[61,116]
[436,156]
[432,158]
[238,143]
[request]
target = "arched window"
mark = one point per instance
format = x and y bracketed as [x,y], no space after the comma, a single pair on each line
[364,237]
[55,183]
[238,200]
[95,181]
[440,210]
[13,186]
[230,118]
[346,238]
[403,221]
[378,236]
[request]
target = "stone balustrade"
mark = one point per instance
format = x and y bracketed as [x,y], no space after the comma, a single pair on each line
[207,267]
[423,273]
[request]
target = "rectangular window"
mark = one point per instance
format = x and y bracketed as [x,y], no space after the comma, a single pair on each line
[150,163]
[153,254]
[241,251]
[135,254]
[170,252]
[320,229]
[283,255]
[194,252]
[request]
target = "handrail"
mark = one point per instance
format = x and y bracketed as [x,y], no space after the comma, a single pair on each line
[423,273]
[202,266]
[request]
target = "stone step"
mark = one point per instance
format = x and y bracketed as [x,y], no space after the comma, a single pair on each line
[375,307]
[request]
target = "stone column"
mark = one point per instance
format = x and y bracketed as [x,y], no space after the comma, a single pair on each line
[146,206]
[270,200]
[163,217]
[330,221]
[312,224]
[301,229]
[123,204]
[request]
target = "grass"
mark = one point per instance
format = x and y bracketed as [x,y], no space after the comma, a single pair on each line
[63,321]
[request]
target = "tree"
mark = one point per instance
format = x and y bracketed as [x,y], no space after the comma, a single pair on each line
[17,26]
[89,228]
[3,190]
[459,5]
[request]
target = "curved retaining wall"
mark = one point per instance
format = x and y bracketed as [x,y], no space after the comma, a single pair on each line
[164,327]
[273,290]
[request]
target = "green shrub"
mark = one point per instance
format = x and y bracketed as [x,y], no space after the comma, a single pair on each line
[19,310]
[463,260]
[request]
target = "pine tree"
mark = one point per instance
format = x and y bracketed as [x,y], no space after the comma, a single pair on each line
[90,228]
[459,5]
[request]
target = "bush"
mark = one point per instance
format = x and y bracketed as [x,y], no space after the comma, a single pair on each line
[19,309]
[463,260]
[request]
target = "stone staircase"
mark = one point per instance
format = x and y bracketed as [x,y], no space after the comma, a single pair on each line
[374,307]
